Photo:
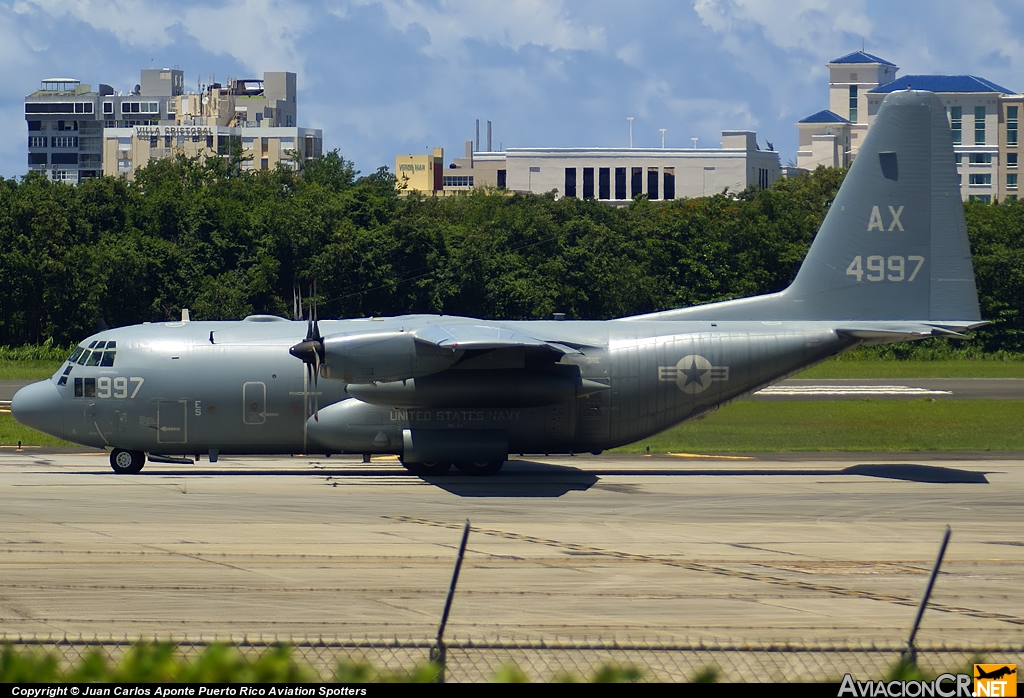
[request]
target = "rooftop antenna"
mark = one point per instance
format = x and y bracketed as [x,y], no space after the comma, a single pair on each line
[630,120]
[663,137]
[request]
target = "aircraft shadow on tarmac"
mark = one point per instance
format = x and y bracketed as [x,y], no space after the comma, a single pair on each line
[910,472]
[519,478]
[523,478]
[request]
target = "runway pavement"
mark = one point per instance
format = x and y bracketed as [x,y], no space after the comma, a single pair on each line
[612,546]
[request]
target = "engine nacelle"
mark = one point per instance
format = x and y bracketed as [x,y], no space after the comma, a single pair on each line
[382,356]
[353,426]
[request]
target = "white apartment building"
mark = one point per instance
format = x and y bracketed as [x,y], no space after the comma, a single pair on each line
[983,117]
[76,133]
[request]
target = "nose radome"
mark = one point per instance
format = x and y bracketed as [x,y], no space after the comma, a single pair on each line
[40,407]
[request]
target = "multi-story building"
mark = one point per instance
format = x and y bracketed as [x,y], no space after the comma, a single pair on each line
[65,129]
[76,133]
[983,117]
[615,175]
[977,118]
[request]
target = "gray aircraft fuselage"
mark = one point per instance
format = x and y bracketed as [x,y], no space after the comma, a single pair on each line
[891,262]
[171,391]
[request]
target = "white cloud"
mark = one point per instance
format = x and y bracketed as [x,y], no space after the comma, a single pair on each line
[512,24]
[814,26]
[260,34]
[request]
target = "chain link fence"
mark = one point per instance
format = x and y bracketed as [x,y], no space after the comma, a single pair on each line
[474,660]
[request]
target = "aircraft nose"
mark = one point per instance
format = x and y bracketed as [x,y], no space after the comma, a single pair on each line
[40,407]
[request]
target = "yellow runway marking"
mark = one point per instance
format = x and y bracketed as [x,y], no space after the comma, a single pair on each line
[702,456]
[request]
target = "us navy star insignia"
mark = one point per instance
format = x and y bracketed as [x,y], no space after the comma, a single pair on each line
[693,373]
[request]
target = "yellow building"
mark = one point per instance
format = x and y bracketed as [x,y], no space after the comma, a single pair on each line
[420,173]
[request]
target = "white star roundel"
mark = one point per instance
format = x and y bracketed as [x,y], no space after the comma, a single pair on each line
[693,373]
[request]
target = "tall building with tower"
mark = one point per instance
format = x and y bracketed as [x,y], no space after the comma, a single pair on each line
[983,117]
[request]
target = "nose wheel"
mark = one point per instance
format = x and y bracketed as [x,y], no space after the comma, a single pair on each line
[126,462]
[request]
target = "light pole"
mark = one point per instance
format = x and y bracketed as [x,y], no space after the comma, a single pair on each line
[663,137]
[630,120]
[694,139]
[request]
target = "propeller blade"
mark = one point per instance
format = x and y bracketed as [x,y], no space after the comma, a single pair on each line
[311,352]
[316,397]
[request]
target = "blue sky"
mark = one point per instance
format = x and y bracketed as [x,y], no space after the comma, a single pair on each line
[382,77]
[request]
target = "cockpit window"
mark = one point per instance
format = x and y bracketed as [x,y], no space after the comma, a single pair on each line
[95,355]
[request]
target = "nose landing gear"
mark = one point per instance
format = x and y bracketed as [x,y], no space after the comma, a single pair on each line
[126,462]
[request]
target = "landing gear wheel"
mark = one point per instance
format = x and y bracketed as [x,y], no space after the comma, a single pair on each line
[127,462]
[438,468]
[480,467]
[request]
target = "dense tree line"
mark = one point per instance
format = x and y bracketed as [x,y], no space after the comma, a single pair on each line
[225,244]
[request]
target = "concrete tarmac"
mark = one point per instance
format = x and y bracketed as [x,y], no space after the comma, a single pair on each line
[810,549]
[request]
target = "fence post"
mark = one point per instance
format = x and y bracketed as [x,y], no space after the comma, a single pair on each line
[911,652]
[438,653]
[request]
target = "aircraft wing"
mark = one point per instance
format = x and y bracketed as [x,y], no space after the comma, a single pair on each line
[480,336]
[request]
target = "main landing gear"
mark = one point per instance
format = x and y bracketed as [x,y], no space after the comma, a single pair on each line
[126,462]
[465,467]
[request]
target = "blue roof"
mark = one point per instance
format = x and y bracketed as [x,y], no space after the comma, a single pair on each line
[861,57]
[942,83]
[824,117]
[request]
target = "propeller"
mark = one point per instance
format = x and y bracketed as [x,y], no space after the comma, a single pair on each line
[311,351]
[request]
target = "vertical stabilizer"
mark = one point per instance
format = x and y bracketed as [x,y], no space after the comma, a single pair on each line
[893,245]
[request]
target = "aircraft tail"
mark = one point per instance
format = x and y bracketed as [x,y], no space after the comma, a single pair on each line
[893,245]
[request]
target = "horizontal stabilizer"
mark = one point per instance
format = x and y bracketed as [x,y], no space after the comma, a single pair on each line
[899,332]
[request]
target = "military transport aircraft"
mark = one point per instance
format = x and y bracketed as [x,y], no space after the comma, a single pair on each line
[891,262]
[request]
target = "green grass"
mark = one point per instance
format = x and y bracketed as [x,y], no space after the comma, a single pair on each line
[848,425]
[27,369]
[11,433]
[939,368]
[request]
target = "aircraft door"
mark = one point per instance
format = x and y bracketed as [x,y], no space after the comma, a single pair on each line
[172,421]
[593,420]
[254,402]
